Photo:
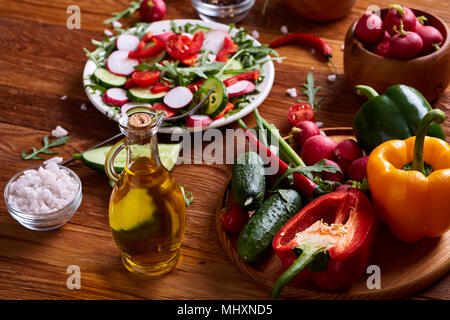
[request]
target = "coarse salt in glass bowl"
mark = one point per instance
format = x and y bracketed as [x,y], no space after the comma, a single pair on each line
[224,14]
[44,221]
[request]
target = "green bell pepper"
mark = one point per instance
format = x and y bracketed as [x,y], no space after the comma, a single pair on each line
[394,115]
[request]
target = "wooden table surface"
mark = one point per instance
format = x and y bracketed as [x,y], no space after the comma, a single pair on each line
[42,60]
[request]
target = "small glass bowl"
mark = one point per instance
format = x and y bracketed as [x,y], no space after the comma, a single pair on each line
[224,14]
[45,221]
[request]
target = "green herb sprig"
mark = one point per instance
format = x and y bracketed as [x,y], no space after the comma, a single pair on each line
[134,6]
[46,145]
[310,90]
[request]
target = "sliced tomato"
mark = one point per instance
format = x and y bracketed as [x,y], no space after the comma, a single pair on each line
[163,107]
[229,47]
[159,87]
[197,42]
[178,46]
[145,79]
[130,84]
[300,112]
[190,61]
[228,107]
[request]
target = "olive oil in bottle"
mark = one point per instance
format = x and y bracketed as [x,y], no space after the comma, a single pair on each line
[147,209]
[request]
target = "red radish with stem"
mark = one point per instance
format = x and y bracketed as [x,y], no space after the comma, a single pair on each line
[397,14]
[369,29]
[432,39]
[119,63]
[304,130]
[152,10]
[178,97]
[240,88]
[115,96]
[358,169]
[198,120]
[405,44]
[317,148]
[336,176]
[346,152]
[127,42]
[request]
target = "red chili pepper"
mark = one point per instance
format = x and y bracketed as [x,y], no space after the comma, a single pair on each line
[229,47]
[235,219]
[304,38]
[251,75]
[303,184]
[195,86]
[197,42]
[150,50]
[336,252]
[159,87]
[163,107]
[189,61]
[228,108]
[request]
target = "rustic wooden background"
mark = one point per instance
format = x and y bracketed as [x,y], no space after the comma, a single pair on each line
[41,61]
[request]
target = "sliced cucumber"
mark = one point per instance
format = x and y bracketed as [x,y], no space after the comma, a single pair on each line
[107,79]
[234,65]
[138,94]
[217,100]
[95,159]
[201,28]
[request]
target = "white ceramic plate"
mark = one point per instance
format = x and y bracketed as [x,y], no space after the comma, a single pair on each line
[268,71]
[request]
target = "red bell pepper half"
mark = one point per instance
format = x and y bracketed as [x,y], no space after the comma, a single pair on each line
[251,75]
[333,236]
[151,49]
[227,108]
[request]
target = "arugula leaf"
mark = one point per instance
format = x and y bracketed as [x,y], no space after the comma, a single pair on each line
[46,145]
[134,6]
[310,91]
[188,197]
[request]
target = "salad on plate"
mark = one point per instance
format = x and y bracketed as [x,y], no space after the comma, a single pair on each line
[173,69]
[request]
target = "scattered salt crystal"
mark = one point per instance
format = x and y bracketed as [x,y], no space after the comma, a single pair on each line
[292,92]
[319,124]
[342,47]
[313,51]
[53,160]
[63,97]
[59,132]
[117,24]
[312,68]
[108,32]
[45,190]
[284,29]
[255,34]
[332,78]
[83,107]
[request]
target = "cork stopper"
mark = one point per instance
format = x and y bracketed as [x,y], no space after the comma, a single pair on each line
[140,121]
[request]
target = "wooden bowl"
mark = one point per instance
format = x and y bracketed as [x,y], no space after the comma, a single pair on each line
[429,74]
[320,10]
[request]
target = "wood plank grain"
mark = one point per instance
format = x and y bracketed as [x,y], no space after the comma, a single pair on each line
[42,60]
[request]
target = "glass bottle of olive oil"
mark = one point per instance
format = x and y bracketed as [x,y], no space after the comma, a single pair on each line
[146,209]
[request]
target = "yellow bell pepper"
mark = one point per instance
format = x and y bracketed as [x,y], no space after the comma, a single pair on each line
[410,200]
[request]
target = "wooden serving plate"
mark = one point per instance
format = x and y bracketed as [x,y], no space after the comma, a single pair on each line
[405,267]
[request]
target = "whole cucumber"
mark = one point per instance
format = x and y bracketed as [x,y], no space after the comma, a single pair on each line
[257,235]
[248,182]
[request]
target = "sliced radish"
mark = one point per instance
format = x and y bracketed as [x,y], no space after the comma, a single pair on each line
[129,105]
[214,40]
[178,97]
[240,88]
[115,96]
[198,120]
[119,63]
[163,36]
[127,42]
